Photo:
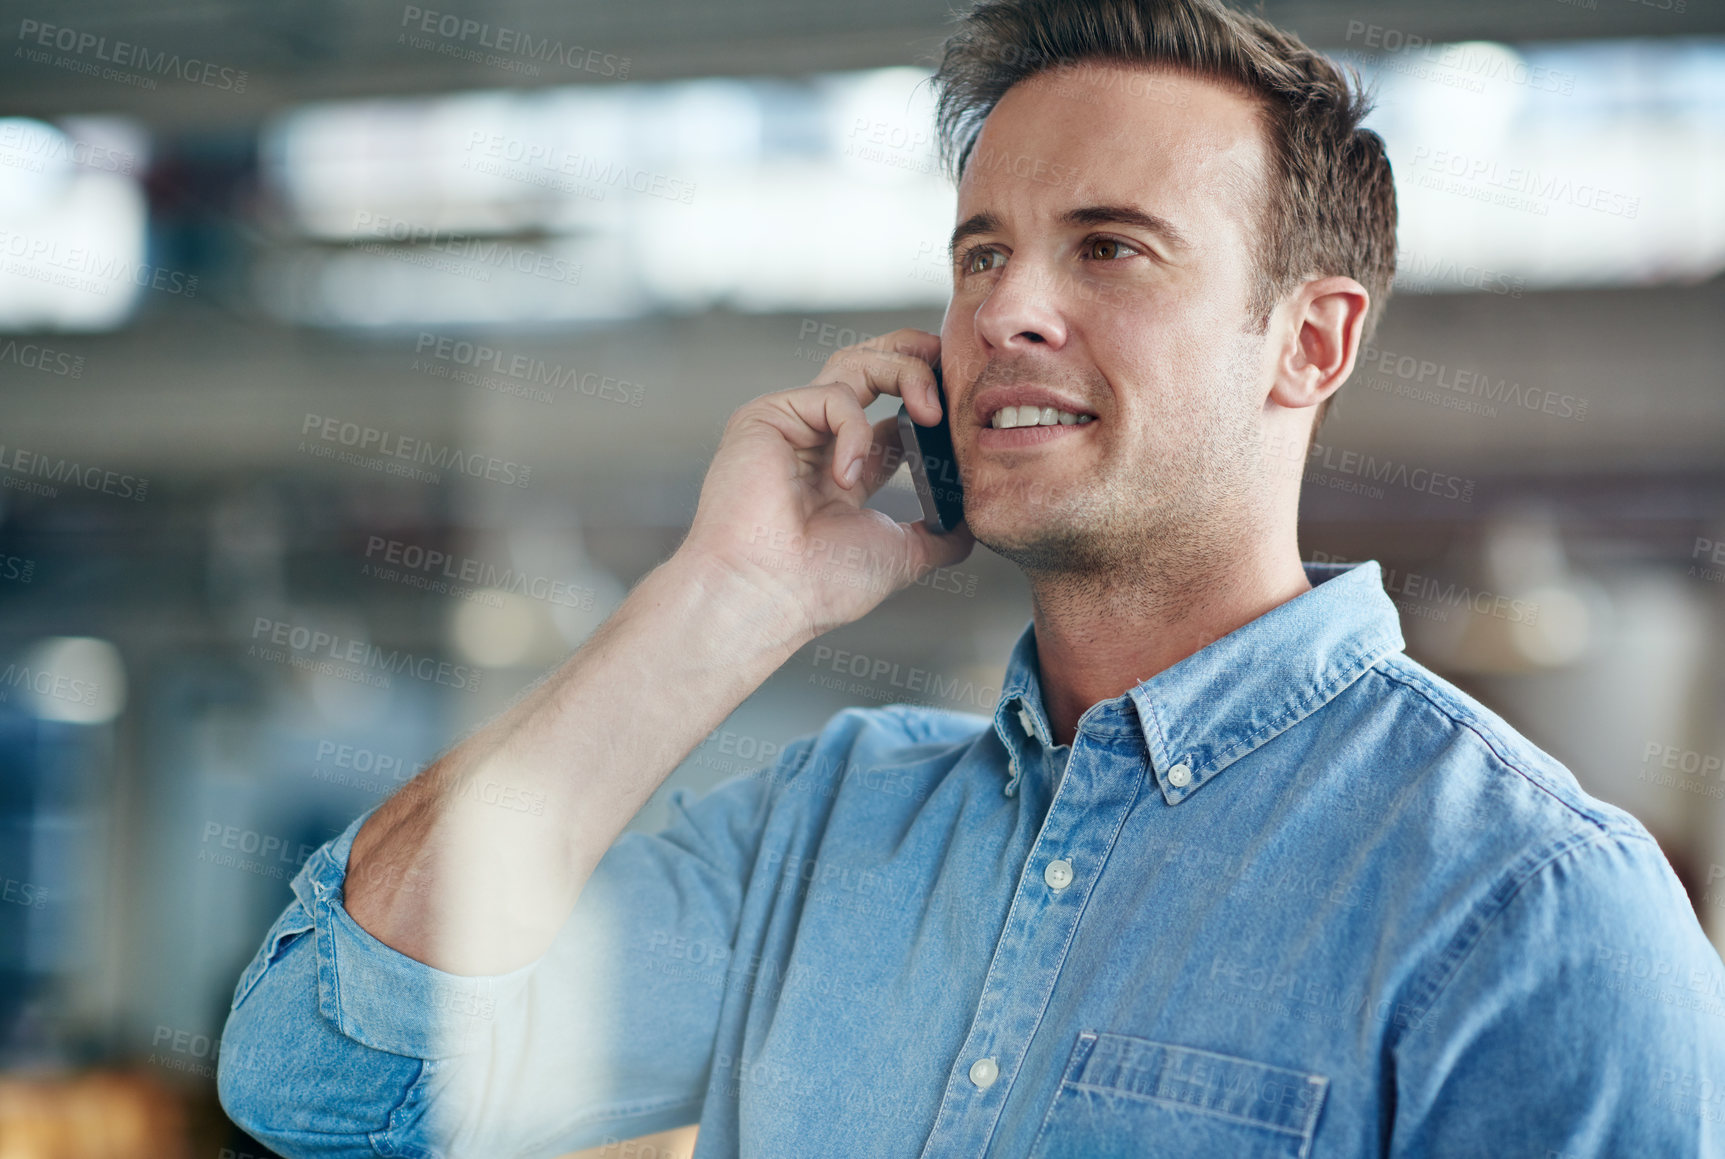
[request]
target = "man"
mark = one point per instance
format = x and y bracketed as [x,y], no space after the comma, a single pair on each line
[1226,874]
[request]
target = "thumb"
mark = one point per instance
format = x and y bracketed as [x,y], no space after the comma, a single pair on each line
[929,549]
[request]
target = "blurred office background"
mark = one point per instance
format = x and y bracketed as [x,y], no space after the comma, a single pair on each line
[552,247]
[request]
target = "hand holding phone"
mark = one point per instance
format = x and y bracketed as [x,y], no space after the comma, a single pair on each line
[933,469]
[784,515]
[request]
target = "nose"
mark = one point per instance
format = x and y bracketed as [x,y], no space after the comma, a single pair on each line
[1020,313]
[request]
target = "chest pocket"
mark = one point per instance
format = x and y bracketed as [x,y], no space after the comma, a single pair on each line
[1130,1097]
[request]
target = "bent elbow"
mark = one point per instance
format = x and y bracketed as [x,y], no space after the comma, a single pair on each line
[292,1080]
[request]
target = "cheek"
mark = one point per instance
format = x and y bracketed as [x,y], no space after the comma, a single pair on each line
[1173,389]
[961,362]
[1147,354]
[1175,338]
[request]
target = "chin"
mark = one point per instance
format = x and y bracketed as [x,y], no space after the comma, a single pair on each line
[1036,540]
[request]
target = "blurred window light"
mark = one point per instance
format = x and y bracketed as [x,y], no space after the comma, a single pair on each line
[76,679]
[497,628]
[1531,166]
[72,224]
[1546,166]
[611,203]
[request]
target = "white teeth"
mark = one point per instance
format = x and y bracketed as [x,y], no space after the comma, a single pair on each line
[1008,417]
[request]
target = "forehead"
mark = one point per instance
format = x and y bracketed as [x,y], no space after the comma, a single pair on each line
[1184,146]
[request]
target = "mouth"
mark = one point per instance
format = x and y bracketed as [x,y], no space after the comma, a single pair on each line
[1013,417]
[1027,415]
[1023,425]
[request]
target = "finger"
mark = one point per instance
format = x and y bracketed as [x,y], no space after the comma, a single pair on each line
[907,340]
[885,455]
[905,371]
[830,408]
[799,415]
[872,373]
[942,550]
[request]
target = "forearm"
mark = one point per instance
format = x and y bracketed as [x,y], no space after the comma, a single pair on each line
[447,878]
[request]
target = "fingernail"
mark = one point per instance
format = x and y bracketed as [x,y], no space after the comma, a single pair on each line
[854,471]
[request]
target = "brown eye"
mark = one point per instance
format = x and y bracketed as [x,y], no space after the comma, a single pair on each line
[1107,248]
[970,266]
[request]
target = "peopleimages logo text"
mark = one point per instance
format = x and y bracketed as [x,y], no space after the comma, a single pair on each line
[492,252]
[388,446]
[126,54]
[528,369]
[514,41]
[465,569]
[24,465]
[315,642]
[45,683]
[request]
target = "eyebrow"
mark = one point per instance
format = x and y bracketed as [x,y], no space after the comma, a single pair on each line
[971,226]
[1084,215]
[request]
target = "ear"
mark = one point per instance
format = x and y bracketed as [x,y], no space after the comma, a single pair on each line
[1321,322]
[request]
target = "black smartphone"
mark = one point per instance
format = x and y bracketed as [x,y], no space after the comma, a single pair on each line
[928,451]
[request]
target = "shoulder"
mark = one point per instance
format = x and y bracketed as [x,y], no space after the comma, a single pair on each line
[898,732]
[1542,878]
[881,736]
[1594,953]
[899,726]
[1578,1010]
[1447,744]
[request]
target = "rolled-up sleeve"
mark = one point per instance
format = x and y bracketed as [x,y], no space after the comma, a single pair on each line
[337,1044]
[1584,1016]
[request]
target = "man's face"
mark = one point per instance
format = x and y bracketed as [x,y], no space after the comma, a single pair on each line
[1144,328]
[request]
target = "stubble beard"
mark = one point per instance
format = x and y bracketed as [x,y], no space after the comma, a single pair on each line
[1154,529]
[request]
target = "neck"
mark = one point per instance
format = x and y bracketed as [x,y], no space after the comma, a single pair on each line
[1099,635]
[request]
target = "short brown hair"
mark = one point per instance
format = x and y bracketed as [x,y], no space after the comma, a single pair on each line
[1331,207]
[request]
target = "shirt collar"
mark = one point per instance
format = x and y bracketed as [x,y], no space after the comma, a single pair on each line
[1225,700]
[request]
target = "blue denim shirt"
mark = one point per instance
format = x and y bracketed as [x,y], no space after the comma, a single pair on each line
[1293,896]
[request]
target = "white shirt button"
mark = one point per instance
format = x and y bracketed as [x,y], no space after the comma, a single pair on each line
[1058,875]
[1029,722]
[983,1072]
[1180,776]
